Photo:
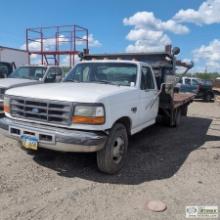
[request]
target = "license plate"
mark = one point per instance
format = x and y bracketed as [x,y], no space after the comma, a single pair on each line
[29,142]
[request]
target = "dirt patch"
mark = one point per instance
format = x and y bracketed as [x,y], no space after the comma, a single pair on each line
[178,166]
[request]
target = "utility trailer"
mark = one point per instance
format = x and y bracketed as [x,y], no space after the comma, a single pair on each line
[172,104]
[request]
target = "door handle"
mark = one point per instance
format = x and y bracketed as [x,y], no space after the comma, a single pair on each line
[134,109]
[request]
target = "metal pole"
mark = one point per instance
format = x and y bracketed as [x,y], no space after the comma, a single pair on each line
[74,37]
[27,46]
[72,61]
[87,42]
[1,49]
[57,46]
[42,46]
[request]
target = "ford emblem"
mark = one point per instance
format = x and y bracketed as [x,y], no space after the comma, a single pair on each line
[35,110]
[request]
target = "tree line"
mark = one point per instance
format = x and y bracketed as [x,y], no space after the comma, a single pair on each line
[206,76]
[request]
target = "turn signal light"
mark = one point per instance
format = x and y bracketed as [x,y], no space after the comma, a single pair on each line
[6,104]
[6,109]
[88,120]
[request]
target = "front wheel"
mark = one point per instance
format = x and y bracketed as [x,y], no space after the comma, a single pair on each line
[112,157]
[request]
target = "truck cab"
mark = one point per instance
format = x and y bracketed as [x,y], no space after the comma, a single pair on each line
[29,75]
[98,102]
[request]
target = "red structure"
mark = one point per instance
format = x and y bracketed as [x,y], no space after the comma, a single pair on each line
[51,44]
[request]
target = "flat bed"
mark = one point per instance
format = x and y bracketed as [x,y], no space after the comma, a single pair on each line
[173,106]
[180,99]
[216,89]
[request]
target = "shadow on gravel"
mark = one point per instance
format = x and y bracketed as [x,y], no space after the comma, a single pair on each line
[203,101]
[155,153]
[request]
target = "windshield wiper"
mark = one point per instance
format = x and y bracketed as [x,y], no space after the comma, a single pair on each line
[105,82]
[72,80]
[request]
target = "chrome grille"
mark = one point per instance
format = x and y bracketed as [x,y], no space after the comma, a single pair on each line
[38,110]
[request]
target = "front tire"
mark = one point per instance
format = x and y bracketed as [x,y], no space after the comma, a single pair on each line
[111,158]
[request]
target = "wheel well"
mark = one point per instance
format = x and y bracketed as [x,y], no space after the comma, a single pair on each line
[126,121]
[211,93]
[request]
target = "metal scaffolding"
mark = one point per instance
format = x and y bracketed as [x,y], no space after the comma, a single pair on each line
[53,43]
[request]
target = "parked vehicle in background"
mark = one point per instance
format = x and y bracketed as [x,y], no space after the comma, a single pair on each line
[202,88]
[6,69]
[216,86]
[29,75]
[217,82]
[97,107]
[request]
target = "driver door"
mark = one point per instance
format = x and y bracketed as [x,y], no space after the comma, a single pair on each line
[149,96]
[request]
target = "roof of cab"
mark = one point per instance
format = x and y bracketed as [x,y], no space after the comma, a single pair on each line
[115,61]
[39,65]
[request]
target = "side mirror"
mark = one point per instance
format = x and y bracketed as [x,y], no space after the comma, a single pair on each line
[170,82]
[175,50]
[169,89]
[171,79]
[132,84]
[39,76]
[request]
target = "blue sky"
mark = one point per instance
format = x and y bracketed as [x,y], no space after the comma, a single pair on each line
[198,32]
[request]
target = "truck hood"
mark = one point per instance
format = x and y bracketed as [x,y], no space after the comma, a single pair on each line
[70,92]
[13,82]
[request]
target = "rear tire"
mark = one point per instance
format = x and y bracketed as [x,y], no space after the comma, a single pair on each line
[184,110]
[111,158]
[177,118]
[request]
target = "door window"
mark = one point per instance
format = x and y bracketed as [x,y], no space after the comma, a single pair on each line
[54,75]
[187,81]
[147,81]
[195,82]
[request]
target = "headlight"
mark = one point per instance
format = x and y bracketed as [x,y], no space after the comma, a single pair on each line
[89,114]
[6,104]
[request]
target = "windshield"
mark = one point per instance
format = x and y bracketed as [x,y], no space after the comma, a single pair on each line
[33,73]
[110,73]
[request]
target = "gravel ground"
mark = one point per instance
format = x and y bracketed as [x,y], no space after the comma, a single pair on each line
[179,166]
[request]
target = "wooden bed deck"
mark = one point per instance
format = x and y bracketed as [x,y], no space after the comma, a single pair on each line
[182,98]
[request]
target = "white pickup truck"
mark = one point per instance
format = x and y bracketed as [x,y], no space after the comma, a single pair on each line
[95,109]
[29,75]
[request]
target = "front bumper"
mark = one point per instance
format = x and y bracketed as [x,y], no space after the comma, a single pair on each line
[53,138]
